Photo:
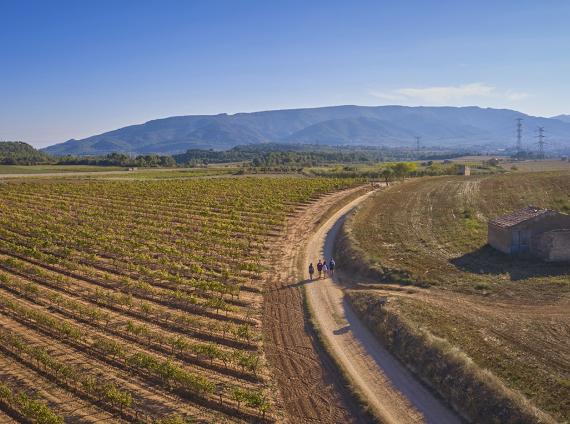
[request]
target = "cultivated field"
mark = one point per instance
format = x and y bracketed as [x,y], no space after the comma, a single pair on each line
[139,301]
[511,316]
[537,165]
[47,169]
[108,172]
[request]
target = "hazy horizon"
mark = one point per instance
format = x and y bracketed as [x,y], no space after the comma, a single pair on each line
[78,70]
[39,145]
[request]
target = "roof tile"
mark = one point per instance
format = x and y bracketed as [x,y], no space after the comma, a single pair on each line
[522,215]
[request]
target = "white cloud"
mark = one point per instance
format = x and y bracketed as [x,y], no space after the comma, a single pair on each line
[516,95]
[388,95]
[441,95]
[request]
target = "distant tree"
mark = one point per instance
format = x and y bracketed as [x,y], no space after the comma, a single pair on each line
[388,175]
[404,169]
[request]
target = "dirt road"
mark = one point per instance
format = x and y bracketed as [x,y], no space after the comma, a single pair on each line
[389,388]
[310,386]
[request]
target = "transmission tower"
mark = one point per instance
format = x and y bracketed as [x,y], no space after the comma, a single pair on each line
[541,141]
[418,144]
[519,135]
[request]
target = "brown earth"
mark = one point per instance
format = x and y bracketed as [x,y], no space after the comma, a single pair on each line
[312,389]
[509,315]
[75,410]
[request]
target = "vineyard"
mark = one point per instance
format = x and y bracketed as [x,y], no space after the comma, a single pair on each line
[139,301]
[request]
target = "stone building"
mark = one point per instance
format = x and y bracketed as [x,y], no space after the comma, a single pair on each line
[553,246]
[541,232]
[464,170]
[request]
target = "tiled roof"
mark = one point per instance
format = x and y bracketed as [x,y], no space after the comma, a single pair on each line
[519,216]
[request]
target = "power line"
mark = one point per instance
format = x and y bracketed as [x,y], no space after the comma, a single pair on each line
[541,141]
[519,135]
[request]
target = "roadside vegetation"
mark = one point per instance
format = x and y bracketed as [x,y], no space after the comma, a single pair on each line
[142,298]
[435,288]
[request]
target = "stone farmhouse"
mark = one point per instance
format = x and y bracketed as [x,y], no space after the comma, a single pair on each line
[540,232]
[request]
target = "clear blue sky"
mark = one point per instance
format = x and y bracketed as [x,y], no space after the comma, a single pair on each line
[70,69]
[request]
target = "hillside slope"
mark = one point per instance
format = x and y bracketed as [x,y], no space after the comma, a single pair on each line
[509,315]
[19,153]
[337,125]
[565,118]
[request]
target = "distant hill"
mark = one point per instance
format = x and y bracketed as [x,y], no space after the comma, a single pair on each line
[565,118]
[19,153]
[391,126]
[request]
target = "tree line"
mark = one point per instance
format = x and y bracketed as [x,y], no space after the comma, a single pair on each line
[120,159]
[256,156]
[20,153]
[295,156]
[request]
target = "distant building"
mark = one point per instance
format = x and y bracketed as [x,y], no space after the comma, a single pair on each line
[541,232]
[464,170]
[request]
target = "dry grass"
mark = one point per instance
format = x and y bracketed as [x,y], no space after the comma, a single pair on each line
[474,392]
[434,231]
[538,165]
[509,315]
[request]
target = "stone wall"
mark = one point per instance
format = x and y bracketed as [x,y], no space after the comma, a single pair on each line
[500,238]
[553,246]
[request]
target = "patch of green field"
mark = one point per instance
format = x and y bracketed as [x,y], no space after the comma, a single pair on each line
[46,169]
[113,172]
[143,174]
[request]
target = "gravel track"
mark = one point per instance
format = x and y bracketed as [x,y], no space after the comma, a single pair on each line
[388,387]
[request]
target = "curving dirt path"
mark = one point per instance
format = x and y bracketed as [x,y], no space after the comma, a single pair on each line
[388,387]
[310,387]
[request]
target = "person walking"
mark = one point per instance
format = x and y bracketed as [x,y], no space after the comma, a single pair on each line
[325,269]
[320,268]
[332,264]
[311,270]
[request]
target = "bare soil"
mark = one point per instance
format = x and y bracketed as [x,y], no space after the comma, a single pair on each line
[75,410]
[311,387]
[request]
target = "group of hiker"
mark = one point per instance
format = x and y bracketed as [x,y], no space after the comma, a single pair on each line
[324,269]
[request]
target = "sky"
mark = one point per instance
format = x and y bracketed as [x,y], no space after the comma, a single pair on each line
[72,69]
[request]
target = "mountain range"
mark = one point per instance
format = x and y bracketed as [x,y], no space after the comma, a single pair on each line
[565,118]
[390,126]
